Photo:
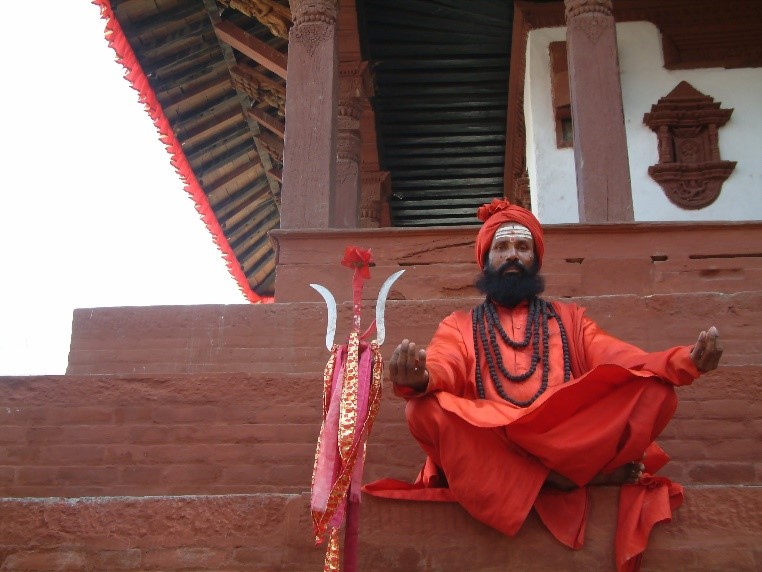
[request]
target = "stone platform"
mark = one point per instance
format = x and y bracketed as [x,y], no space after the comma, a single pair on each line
[182,438]
[716,529]
[212,472]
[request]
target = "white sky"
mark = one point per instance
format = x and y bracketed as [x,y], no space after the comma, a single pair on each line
[93,212]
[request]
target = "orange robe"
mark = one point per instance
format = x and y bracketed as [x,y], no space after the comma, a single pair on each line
[493,457]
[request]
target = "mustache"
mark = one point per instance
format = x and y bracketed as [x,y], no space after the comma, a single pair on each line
[512,264]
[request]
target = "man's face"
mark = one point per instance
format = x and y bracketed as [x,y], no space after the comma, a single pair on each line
[511,244]
[510,275]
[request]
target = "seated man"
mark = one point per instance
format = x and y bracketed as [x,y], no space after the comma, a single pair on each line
[523,403]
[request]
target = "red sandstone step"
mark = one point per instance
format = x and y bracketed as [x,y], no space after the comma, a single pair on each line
[717,528]
[76,436]
[289,338]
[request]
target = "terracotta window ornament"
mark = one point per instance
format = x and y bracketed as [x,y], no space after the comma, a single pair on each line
[686,124]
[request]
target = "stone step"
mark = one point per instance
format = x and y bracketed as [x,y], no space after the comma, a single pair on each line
[139,435]
[290,338]
[717,528]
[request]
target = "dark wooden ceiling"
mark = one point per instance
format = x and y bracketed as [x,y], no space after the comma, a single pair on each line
[441,70]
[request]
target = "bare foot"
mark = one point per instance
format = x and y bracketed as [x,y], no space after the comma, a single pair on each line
[629,473]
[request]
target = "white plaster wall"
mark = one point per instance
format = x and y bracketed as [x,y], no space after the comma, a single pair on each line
[644,81]
[552,177]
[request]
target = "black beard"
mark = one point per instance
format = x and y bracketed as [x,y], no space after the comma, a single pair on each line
[513,288]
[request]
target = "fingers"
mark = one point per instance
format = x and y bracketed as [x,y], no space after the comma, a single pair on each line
[407,365]
[422,359]
[707,352]
[394,363]
[713,351]
[412,355]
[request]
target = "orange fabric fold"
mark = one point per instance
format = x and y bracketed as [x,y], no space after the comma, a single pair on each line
[641,507]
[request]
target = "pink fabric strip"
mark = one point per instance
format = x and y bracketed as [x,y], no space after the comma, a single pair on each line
[328,464]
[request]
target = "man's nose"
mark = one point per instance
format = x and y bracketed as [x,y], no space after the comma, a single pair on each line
[511,253]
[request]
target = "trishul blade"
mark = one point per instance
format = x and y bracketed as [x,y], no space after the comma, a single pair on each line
[381,306]
[330,302]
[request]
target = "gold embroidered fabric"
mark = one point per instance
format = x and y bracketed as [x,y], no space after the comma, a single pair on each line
[350,448]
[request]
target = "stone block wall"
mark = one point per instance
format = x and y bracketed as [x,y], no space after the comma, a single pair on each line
[211,472]
[76,436]
[290,338]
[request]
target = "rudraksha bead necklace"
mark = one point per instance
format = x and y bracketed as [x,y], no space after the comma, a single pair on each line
[486,327]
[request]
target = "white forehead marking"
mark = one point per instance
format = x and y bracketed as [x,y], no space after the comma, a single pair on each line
[512,231]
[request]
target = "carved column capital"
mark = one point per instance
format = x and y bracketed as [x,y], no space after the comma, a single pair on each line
[576,8]
[314,22]
[590,16]
[314,11]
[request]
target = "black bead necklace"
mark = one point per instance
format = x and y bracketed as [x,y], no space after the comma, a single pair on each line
[486,326]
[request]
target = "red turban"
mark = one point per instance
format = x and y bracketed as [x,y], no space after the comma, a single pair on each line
[496,214]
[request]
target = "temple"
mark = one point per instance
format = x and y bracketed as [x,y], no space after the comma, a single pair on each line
[183,437]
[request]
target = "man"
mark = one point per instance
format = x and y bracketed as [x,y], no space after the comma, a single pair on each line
[523,403]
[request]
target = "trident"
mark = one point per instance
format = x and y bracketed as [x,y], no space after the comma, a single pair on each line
[351,398]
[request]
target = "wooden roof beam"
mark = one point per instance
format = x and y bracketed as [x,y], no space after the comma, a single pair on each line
[273,144]
[267,121]
[252,47]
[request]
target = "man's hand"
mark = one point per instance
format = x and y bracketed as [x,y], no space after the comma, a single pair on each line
[707,352]
[408,366]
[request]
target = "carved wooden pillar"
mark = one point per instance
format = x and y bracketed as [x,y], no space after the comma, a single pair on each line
[309,160]
[354,89]
[374,207]
[600,143]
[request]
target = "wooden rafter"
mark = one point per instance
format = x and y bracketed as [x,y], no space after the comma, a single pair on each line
[251,46]
[273,144]
[267,121]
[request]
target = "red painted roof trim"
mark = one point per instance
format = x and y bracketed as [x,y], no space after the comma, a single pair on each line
[134,74]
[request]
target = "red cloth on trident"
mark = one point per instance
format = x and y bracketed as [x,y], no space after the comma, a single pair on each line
[493,457]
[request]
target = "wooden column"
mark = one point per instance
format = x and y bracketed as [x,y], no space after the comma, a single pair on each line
[600,144]
[354,89]
[309,160]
